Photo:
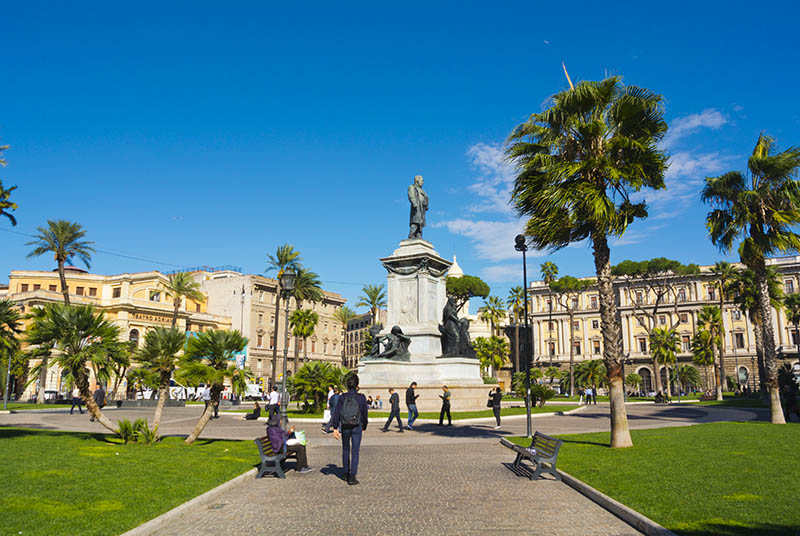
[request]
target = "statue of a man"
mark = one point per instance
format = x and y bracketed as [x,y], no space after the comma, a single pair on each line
[419,205]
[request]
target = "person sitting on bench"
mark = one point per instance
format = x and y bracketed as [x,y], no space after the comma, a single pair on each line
[255,414]
[279,438]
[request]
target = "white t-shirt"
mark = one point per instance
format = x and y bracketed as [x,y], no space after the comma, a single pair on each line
[206,394]
[273,397]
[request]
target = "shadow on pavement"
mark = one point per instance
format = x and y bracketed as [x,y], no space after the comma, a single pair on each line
[473,431]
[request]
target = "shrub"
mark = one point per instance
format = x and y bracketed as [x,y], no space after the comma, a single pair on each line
[542,394]
[126,431]
[144,432]
[489,380]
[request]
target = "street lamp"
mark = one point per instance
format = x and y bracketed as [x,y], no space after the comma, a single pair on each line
[287,279]
[520,245]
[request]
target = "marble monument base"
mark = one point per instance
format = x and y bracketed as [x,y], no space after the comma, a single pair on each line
[460,375]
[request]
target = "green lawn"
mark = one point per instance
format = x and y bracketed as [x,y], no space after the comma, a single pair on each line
[722,478]
[80,483]
[18,406]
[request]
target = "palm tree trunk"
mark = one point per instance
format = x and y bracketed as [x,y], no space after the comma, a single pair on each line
[770,363]
[206,416]
[63,278]
[609,319]
[94,410]
[669,390]
[42,381]
[275,338]
[571,355]
[305,350]
[717,374]
[176,302]
[163,396]
[296,355]
[657,375]
[722,335]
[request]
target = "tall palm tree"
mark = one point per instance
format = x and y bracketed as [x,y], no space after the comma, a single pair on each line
[703,348]
[687,376]
[159,355]
[84,338]
[762,212]
[591,373]
[374,297]
[307,286]
[303,323]
[516,305]
[664,344]
[210,358]
[724,274]
[578,162]
[710,320]
[791,304]
[492,313]
[182,285]
[64,239]
[5,194]
[549,272]
[10,328]
[344,315]
[285,257]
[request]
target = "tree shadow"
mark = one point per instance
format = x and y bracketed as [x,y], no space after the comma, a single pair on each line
[464,431]
[596,443]
[8,432]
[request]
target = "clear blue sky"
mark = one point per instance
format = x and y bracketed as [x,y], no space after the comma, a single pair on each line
[206,133]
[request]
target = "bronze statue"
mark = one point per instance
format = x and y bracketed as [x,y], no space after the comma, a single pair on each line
[374,331]
[396,345]
[455,332]
[419,205]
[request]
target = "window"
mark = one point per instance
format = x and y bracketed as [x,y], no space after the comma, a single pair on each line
[711,293]
[639,296]
[662,320]
[593,301]
[738,340]
[334,347]
[260,318]
[549,325]
[23,287]
[313,346]
[685,343]
[133,336]
[640,320]
[325,347]
[596,347]
[549,305]
[326,327]
[552,348]
[197,307]
[595,324]
[682,294]
[261,295]
[271,319]
[36,287]
[155,296]
[737,314]
[793,333]
[271,342]
[788,286]
[79,291]
[300,345]
[577,346]
[260,341]
[684,318]
[576,325]
[51,288]
[258,363]
[574,303]
[642,344]
[117,292]
[92,291]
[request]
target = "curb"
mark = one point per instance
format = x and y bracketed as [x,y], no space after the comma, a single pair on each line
[5,412]
[633,518]
[156,523]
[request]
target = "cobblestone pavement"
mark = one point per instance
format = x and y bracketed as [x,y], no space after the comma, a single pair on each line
[425,489]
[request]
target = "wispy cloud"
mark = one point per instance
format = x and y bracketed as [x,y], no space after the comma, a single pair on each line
[684,126]
[502,273]
[628,239]
[493,240]
[495,179]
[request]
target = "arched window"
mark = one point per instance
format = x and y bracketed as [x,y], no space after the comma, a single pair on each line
[133,336]
[647,379]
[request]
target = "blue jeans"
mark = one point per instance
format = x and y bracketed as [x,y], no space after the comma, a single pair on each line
[412,414]
[350,461]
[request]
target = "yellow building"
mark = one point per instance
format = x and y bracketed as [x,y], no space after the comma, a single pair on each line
[135,302]
[551,329]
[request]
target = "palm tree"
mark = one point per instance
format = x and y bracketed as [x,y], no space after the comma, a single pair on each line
[210,358]
[10,328]
[312,380]
[762,213]
[724,274]
[687,376]
[303,323]
[551,373]
[160,356]
[5,194]
[578,162]
[307,286]
[516,305]
[703,344]
[285,258]
[64,240]
[664,344]
[374,297]
[791,304]
[634,380]
[344,315]
[549,272]
[591,373]
[709,319]
[492,353]
[182,285]
[492,312]
[84,337]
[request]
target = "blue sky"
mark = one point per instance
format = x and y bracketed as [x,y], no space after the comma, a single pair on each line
[201,133]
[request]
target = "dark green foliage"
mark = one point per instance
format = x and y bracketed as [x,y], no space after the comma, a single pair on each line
[541,393]
[653,267]
[461,289]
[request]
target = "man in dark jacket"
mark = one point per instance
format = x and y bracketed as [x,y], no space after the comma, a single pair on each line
[496,396]
[99,399]
[394,401]
[411,403]
[349,432]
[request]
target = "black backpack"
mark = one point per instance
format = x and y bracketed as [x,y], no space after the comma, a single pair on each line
[351,414]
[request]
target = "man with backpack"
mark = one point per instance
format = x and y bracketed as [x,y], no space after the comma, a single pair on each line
[349,420]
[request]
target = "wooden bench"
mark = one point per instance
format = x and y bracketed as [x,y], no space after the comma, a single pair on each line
[543,452]
[270,461]
[708,397]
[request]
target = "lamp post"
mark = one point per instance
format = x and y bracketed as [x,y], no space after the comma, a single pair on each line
[287,279]
[753,371]
[520,245]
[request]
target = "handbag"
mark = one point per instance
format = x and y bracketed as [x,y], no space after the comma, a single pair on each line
[489,403]
[326,415]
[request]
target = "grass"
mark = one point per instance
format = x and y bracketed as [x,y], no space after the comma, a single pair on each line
[19,406]
[92,484]
[457,415]
[725,479]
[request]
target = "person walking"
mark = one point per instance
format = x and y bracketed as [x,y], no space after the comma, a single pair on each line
[445,396]
[274,401]
[594,395]
[332,401]
[99,399]
[580,395]
[349,422]
[394,404]
[411,403]
[76,400]
[497,397]
[588,394]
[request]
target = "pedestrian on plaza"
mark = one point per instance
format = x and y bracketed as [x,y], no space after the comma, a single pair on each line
[378,402]
[445,396]
[76,400]
[205,396]
[497,398]
[331,391]
[332,401]
[274,401]
[279,440]
[594,395]
[411,403]
[790,400]
[580,395]
[255,414]
[588,395]
[370,402]
[99,399]
[349,422]
[394,403]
